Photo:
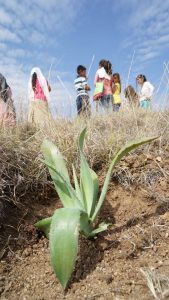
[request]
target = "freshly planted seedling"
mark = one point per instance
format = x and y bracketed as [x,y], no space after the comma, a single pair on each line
[81,205]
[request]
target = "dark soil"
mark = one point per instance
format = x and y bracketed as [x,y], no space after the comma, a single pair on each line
[106,268]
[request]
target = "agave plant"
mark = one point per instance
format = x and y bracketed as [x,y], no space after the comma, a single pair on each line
[81,205]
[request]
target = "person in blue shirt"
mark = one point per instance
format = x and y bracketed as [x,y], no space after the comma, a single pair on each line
[82,88]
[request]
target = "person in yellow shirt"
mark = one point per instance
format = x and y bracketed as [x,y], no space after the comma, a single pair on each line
[116,92]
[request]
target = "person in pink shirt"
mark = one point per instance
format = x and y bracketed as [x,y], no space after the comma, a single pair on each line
[38,89]
[104,74]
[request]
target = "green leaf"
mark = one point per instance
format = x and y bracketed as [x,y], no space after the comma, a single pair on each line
[63,242]
[86,184]
[95,190]
[64,186]
[89,185]
[77,187]
[44,225]
[102,227]
[54,158]
[81,139]
[58,171]
[85,226]
[126,149]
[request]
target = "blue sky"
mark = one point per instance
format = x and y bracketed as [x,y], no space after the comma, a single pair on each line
[57,35]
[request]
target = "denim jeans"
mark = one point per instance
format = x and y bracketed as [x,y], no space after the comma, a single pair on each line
[106,102]
[83,105]
[116,107]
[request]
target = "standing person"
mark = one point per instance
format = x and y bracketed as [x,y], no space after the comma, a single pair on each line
[146,91]
[116,92]
[7,109]
[38,91]
[82,88]
[104,74]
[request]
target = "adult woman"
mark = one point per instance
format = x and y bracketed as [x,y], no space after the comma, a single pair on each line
[7,109]
[38,91]
[104,74]
[146,91]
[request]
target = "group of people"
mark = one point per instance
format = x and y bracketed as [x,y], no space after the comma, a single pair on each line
[106,94]
[38,93]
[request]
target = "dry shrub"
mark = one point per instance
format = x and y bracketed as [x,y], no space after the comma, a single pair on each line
[23,174]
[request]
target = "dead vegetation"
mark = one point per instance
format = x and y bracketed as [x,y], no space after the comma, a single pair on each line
[137,202]
[21,170]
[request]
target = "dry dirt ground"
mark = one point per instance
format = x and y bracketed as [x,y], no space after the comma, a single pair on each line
[109,267]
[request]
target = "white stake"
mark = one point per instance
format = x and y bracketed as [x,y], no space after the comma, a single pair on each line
[127,82]
[90,65]
[162,77]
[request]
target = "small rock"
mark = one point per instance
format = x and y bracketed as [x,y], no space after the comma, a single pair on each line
[109,279]
[158,158]
[149,157]
[165,216]
[27,252]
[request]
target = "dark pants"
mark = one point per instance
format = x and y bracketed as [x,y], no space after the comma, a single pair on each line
[83,105]
[116,107]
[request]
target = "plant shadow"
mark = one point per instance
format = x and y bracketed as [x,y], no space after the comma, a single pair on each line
[161,209]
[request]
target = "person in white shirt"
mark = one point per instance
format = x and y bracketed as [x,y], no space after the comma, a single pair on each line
[146,91]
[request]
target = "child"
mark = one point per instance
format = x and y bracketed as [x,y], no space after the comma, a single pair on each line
[104,74]
[146,91]
[82,88]
[116,92]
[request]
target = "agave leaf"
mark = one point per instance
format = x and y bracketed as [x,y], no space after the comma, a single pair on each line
[86,184]
[56,164]
[63,242]
[88,180]
[44,225]
[95,190]
[102,227]
[53,156]
[77,187]
[62,185]
[85,226]
[81,139]
[89,185]
[126,149]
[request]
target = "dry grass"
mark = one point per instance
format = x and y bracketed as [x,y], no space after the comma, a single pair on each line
[22,173]
[157,283]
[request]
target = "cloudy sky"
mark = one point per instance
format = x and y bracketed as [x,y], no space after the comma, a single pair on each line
[57,35]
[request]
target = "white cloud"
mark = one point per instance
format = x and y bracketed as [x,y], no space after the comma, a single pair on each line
[7,35]
[149,27]
[28,30]
[4,17]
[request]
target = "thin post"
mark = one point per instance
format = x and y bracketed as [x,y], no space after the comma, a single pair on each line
[127,82]
[90,65]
